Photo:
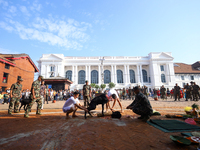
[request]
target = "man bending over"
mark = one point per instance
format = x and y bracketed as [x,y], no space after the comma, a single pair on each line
[72,104]
[112,94]
[141,105]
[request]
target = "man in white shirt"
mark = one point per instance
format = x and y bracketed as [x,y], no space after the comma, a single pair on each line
[72,104]
[113,95]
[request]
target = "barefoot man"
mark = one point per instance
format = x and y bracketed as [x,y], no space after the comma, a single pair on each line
[72,104]
[112,94]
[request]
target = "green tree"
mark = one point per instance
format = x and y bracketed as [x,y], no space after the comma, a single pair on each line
[97,87]
[111,85]
[93,85]
[103,86]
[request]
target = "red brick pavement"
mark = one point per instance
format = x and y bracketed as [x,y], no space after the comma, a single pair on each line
[53,131]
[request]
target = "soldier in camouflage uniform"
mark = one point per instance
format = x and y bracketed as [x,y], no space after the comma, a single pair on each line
[188,92]
[124,93]
[15,95]
[145,91]
[191,90]
[177,92]
[35,97]
[86,93]
[195,92]
[163,92]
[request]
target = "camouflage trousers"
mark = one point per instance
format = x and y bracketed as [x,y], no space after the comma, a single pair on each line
[86,101]
[14,101]
[188,95]
[195,96]
[39,105]
[177,94]
[163,96]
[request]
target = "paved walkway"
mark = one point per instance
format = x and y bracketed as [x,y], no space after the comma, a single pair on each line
[52,131]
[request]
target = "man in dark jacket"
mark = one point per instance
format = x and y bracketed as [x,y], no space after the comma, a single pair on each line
[141,105]
[177,92]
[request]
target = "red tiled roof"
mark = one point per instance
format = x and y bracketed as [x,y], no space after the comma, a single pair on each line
[185,68]
[12,57]
[4,60]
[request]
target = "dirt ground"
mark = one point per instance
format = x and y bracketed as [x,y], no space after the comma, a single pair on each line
[52,131]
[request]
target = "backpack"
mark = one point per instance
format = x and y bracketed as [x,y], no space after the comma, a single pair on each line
[116,114]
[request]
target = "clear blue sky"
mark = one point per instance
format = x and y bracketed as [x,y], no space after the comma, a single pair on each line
[101,27]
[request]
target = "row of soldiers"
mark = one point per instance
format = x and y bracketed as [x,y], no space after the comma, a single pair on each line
[16,95]
[192,91]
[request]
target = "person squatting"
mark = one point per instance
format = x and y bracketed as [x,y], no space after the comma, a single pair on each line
[140,105]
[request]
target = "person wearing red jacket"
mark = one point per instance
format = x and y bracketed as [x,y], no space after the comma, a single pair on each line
[172,93]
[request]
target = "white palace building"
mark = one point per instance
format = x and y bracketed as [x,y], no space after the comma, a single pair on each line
[154,70]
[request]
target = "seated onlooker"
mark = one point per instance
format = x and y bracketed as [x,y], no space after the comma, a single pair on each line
[6,98]
[141,105]
[1,97]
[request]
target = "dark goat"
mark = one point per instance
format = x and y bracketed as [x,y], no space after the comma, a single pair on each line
[24,103]
[102,99]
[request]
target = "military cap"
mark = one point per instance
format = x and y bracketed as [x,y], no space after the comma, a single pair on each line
[20,79]
[86,80]
[40,76]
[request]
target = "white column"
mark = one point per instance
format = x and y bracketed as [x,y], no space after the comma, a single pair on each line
[167,73]
[86,73]
[46,72]
[73,74]
[125,77]
[128,74]
[112,74]
[115,74]
[89,75]
[56,71]
[149,75]
[99,76]
[76,75]
[141,74]
[159,75]
[138,74]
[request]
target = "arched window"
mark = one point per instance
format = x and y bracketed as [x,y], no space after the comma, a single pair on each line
[132,76]
[94,76]
[107,77]
[163,78]
[144,74]
[69,75]
[81,77]
[119,76]
[52,68]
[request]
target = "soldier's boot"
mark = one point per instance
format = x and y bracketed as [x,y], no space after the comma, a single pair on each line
[38,112]
[26,116]
[9,112]
[16,111]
